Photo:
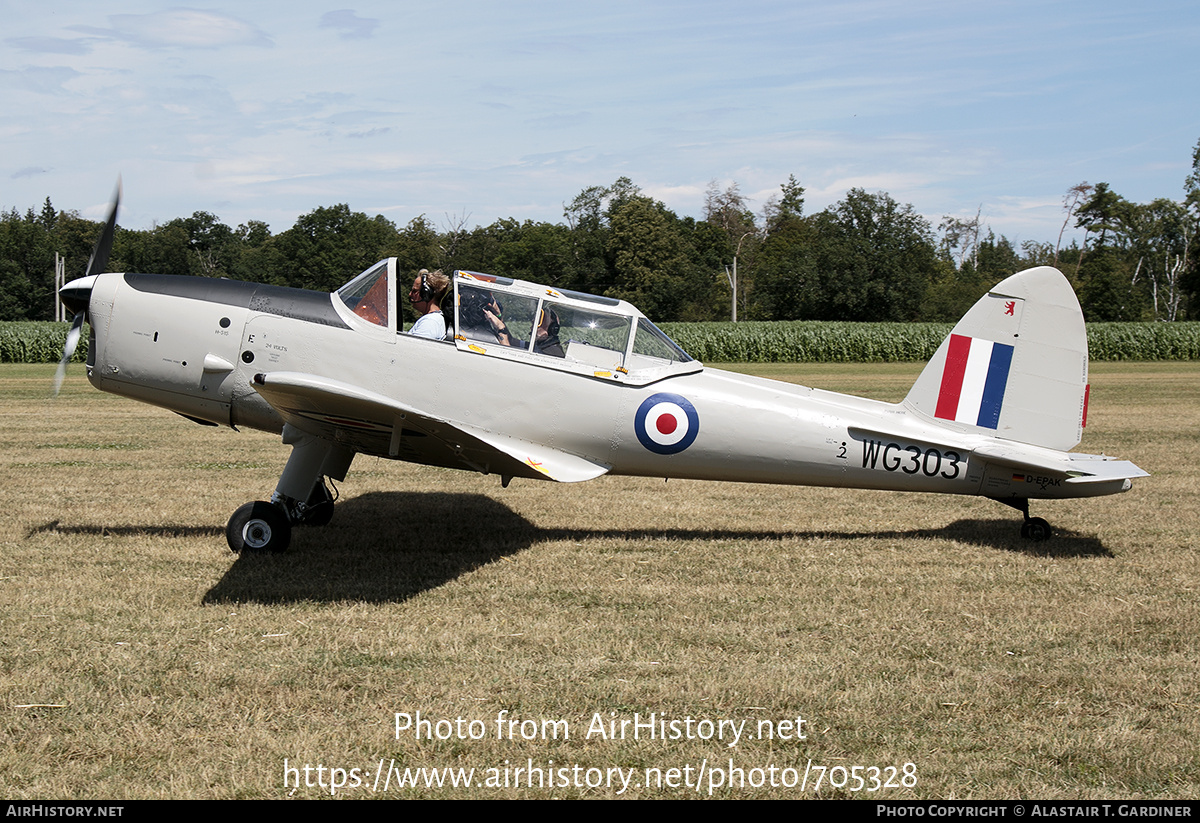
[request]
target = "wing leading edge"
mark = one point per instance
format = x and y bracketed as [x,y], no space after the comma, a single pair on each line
[371,423]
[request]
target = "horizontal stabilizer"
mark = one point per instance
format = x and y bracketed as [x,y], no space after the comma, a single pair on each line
[1077,468]
[1099,468]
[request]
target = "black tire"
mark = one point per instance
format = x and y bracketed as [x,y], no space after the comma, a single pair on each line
[1036,529]
[258,527]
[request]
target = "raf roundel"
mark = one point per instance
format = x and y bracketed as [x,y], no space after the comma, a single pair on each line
[666,423]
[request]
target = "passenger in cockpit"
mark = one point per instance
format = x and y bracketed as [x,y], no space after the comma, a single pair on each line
[479,315]
[546,341]
[493,314]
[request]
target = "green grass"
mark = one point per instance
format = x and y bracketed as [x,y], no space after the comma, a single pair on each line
[141,659]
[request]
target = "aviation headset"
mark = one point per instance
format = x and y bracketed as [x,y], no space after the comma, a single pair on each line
[426,292]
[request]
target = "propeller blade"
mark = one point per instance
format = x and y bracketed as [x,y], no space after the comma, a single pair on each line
[76,294]
[68,350]
[99,258]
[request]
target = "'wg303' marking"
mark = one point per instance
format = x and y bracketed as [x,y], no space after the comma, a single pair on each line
[931,462]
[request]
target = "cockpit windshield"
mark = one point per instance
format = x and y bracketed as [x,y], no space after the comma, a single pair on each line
[588,333]
[600,336]
[651,341]
[367,295]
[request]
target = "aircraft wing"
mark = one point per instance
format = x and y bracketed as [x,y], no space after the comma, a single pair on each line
[371,423]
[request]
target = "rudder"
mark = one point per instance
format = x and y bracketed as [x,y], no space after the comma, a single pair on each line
[1015,366]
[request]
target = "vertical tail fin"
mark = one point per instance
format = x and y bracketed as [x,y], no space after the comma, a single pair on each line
[1015,366]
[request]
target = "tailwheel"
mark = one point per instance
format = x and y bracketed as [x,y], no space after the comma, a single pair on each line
[1036,529]
[259,527]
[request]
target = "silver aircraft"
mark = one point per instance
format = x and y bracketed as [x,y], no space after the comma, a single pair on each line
[583,386]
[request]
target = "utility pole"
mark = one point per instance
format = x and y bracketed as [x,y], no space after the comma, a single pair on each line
[732,278]
[60,280]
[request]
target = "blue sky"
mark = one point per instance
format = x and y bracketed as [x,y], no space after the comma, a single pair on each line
[478,111]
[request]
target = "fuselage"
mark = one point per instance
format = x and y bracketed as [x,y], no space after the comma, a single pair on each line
[194,345]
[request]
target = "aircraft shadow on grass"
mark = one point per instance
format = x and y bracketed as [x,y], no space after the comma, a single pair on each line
[391,546]
[58,527]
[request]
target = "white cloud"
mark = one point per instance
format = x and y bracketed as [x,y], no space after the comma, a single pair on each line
[351,26]
[180,28]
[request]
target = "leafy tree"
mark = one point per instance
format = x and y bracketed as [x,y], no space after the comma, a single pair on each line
[1192,184]
[588,218]
[1105,273]
[982,263]
[960,240]
[49,217]
[781,209]
[876,260]
[1190,278]
[1107,292]
[1162,237]
[256,258]
[160,250]
[1071,200]
[728,211]
[24,251]
[540,252]
[786,279]
[213,245]
[74,238]
[1037,253]
[328,246]
[650,263]
[783,263]
[416,246]
[865,258]
[1105,214]
[14,284]
[997,259]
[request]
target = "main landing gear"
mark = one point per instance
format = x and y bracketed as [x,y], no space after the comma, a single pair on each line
[1034,528]
[267,527]
[301,498]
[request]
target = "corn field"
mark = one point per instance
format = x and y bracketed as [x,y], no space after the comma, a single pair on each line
[801,341]
[794,341]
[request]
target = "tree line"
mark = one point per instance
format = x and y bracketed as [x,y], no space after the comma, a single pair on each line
[865,258]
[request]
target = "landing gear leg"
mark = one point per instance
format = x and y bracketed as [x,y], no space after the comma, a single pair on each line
[300,498]
[319,509]
[1034,528]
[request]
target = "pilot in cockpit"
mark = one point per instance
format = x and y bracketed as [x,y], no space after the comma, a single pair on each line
[426,295]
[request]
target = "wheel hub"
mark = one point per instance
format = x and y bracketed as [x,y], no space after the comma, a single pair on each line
[256,534]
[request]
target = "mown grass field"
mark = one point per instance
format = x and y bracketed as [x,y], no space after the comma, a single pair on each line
[141,659]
